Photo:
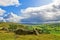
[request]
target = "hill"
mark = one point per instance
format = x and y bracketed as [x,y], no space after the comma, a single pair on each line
[16,31]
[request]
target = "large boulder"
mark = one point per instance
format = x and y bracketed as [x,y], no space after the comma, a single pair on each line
[25,32]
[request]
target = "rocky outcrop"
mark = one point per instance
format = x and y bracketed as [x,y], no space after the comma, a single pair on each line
[26,32]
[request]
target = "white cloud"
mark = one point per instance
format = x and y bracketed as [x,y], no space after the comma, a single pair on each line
[11,17]
[2,19]
[9,2]
[50,12]
[2,12]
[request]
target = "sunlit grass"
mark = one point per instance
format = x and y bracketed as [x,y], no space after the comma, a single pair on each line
[7,36]
[12,36]
[38,37]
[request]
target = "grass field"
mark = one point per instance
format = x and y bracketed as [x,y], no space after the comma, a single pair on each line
[50,32]
[6,36]
[11,36]
[39,37]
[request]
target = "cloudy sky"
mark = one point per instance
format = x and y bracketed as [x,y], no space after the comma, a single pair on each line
[30,11]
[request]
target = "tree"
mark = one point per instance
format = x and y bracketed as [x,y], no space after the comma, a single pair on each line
[12,27]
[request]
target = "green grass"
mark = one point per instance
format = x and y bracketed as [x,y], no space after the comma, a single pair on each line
[7,36]
[39,37]
[57,33]
[12,36]
[54,35]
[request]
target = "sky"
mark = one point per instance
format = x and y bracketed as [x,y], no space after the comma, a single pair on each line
[30,11]
[23,4]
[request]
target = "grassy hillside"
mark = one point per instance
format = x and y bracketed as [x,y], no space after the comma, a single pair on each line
[11,36]
[46,31]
